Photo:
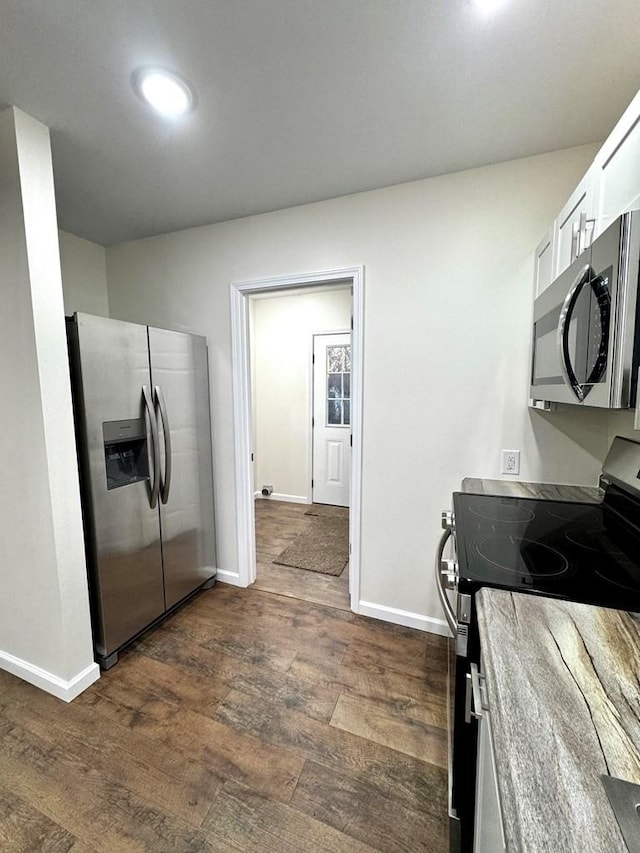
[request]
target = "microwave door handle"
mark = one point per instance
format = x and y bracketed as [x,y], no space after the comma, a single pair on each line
[164,416]
[442,595]
[603,298]
[155,482]
[569,304]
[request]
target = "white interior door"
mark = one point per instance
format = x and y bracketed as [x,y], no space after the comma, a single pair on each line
[331,419]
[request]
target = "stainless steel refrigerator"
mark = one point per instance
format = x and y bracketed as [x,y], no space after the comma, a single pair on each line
[141,402]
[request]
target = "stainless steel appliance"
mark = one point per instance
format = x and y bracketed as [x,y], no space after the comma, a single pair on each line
[588,552]
[141,403]
[586,335]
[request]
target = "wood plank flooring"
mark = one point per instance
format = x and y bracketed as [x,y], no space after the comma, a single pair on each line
[278,523]
[247,721]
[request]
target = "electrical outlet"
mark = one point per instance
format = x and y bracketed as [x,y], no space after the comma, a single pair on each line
[510,461]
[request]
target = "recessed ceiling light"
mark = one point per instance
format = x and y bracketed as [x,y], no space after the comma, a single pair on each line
[486,7]
[167,93]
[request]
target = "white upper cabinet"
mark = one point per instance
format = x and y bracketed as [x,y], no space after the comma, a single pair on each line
[574,226]
[616,169]
[543,275]
[610,187]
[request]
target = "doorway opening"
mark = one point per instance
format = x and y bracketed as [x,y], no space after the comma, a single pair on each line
[301,530]
[300,383]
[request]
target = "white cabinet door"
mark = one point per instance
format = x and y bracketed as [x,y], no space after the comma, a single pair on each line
[617,169]
[543,270]
[331,419]
[610,187]
[574,225]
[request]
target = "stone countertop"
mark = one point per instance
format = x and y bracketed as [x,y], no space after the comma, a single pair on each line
[563,681]
[518,489]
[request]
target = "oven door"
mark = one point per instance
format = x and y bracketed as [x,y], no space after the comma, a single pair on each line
[454,817]
[576,354]
[571,331]
[463,649]
[446,585]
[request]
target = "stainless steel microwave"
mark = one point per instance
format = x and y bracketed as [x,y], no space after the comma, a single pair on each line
[586,331]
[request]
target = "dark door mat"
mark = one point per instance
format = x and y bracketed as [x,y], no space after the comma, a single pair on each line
[323,548]
[328,511]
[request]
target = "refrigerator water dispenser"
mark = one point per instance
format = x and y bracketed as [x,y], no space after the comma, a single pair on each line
[125,452]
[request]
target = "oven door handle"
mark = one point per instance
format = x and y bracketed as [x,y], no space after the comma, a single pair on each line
[569,304]
[442,595]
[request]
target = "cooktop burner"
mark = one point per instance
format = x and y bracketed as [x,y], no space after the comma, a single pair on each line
[523,558]
[567,512]
[505,514]
[585,538]
[577,551]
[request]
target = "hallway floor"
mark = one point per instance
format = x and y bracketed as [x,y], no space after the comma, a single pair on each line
[277,525]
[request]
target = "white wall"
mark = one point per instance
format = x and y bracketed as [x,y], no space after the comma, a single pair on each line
[282,330]
[448,306]
[84,275]
[45,632]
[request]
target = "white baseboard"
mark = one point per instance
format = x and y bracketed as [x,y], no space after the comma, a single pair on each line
[65,690]
[292,499]
[405,618]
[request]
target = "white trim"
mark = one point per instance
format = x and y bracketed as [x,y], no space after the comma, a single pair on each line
[245,513]
[405,618]
[292,499]
[58,687]
[357,372]
[227,576]
[239,291]
[312,400]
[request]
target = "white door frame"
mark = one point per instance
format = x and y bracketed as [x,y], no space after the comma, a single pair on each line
[240,364]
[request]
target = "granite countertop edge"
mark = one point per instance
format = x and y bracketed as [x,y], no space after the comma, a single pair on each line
[563,685]
[523,489]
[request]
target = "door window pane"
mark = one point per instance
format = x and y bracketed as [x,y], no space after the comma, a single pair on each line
[335,412]
[335,359]
[346,385]
[334,385]
[339,385]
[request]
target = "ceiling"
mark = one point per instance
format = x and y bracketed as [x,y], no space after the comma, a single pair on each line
[302,100]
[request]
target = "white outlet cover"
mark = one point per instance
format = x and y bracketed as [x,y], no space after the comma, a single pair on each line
[511,462]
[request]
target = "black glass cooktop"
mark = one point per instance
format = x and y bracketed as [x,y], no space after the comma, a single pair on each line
[576,551]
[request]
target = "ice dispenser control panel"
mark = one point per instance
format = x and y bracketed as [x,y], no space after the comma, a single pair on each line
[125,452]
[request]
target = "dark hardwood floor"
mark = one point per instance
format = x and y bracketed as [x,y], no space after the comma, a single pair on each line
[247,721]
[277,525]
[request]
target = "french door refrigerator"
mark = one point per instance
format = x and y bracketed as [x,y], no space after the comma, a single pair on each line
[141,402]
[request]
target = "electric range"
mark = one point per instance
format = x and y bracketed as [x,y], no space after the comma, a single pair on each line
[585,552]
[567,550]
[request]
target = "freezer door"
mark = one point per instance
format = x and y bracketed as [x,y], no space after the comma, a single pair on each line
[116,448]
[180,378]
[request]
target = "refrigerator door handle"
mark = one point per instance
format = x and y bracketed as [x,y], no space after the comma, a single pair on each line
[166,482]
[155,483]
